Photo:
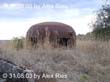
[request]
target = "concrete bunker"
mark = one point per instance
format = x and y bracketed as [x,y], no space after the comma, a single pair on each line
[58,34]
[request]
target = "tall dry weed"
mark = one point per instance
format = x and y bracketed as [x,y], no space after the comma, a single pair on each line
[88,62]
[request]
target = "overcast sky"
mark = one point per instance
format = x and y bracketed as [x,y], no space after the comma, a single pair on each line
[16,16]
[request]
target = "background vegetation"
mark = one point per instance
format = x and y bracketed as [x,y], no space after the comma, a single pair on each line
[101,27]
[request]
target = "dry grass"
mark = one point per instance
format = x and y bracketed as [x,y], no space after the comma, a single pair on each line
[88,62]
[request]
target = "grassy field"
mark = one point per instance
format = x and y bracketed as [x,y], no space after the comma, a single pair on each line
[88,62]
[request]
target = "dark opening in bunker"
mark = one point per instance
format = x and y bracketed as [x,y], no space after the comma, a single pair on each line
[34,41]
[63,41]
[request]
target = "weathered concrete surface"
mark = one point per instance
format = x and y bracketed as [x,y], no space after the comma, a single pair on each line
[58,34]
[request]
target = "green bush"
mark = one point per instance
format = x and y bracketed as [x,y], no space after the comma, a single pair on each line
[84,78]
[102,34]
[101,26]
[18,43]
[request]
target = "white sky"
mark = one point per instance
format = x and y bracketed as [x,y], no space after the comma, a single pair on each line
[10,29]
[16,20]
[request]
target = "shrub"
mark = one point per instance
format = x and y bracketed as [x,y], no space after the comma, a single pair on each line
[18,43]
